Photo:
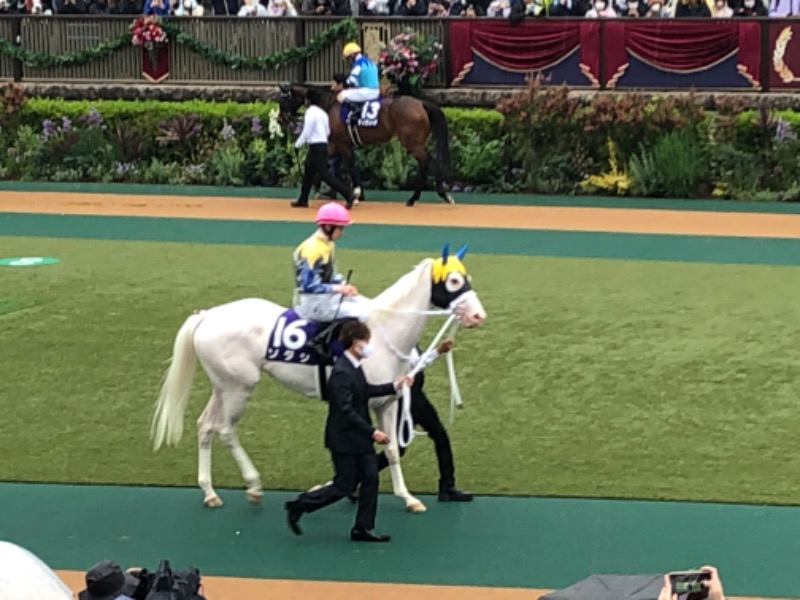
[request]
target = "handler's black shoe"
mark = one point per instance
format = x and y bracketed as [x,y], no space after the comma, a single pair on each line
[453,494]
[298,204]
[293,514]
[367,535]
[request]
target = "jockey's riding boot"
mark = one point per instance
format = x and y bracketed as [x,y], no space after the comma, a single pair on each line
[450,493]
[352,114]
[321,341]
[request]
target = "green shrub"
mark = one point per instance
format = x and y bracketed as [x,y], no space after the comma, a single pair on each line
[540,139]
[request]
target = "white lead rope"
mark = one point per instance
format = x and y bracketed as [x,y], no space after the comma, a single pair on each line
[406,432]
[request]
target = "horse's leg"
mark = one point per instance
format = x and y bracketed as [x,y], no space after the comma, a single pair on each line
[348,156]
[423,159]
[234,401]
[207,425]
[387,416]
[441,187]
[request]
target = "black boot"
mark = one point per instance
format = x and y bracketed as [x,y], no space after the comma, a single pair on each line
[320,343]
[450,493]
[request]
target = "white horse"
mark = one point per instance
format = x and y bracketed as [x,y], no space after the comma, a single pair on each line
[235,342]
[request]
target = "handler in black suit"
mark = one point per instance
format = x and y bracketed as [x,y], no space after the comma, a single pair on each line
[349,436]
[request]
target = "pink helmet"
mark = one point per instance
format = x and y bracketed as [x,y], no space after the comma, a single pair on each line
[333,213]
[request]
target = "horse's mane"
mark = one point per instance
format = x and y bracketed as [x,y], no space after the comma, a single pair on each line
[399,292]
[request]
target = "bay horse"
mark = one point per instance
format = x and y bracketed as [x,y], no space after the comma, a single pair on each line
[409,119]
[236,342]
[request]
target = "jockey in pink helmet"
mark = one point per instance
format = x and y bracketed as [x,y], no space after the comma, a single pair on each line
[322,294]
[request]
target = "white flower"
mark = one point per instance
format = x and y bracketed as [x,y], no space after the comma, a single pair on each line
[274,128]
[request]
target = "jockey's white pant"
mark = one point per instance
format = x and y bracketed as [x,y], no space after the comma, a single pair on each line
[327,307]
[359,95]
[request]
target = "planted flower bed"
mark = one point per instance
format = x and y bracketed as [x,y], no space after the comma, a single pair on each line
[540,140]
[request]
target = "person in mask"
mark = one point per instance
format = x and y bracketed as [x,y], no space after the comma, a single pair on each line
[349,436]
[623,9]
[654,10]
[722,10]
[601,9]
[751,8]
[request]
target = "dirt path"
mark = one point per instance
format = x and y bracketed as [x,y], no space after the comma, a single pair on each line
[230,588]
[504,217]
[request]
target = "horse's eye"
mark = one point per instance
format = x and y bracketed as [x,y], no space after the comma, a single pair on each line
[455,281]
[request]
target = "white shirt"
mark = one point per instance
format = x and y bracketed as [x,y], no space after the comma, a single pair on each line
[416,357]
[316,127]
[352,358]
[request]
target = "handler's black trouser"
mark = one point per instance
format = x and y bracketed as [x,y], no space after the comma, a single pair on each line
[351,472]
[317,169]
[424,414]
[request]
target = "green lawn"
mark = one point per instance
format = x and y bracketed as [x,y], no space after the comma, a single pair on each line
[590,378]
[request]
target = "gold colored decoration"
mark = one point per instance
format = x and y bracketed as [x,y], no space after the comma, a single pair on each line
[781,68]
[375,37]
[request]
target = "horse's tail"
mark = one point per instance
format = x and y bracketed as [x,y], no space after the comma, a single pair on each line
[441,135]
[171,406]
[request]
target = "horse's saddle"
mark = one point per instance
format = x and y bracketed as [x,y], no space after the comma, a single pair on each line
[296,340]
[361,114]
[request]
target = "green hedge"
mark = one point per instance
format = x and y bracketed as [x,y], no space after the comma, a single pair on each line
[540,140]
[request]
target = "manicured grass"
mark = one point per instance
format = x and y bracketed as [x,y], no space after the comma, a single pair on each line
[590,378]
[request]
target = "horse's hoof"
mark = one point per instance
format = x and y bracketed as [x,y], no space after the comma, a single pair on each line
[448,198]
[411,202]
[416,507]
[212,502]
[254,496]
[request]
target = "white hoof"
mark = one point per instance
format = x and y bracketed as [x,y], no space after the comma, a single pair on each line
[213,501]
[254,496]
[416,507]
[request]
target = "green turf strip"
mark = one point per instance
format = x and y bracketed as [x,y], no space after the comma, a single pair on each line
[543,543]
[591,377]
[424,239]
[428,197]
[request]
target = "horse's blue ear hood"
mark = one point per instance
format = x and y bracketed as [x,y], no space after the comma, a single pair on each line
[448,264]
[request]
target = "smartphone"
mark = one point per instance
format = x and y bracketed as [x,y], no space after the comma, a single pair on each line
[689,584]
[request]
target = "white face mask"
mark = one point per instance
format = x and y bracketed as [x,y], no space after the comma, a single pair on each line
[656,8]
[600,6]
[365,350]
[749,3]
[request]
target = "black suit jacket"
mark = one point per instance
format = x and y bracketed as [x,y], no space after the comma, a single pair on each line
[349,429]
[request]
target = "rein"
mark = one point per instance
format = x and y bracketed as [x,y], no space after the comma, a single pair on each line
[406,422]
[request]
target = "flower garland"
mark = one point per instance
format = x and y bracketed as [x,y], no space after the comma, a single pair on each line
[347,28]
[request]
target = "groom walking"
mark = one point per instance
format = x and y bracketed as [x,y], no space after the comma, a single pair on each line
[349,435]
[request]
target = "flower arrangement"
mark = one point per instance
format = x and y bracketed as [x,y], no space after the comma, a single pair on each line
[148,33]
[410,60]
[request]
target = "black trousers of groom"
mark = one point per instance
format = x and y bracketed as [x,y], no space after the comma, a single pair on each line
[424,414]
[316,169]
[351,471]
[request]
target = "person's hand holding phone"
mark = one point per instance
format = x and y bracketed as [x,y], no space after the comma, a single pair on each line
[666,590]
[714,584]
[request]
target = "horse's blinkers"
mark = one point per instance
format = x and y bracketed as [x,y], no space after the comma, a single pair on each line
[442,297]
[450,284]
